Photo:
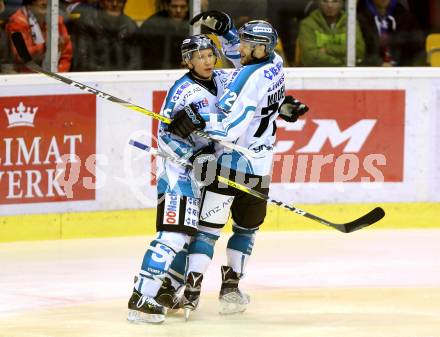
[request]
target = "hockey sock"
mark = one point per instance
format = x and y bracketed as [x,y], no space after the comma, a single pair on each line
[201,249]
[157,260]
[177,269]
[239,248]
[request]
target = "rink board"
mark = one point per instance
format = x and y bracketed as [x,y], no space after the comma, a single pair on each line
[142,222]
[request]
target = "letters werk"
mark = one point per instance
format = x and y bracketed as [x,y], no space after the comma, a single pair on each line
[26,166]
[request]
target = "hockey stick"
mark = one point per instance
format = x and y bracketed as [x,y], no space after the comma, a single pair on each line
[23,52]
[364,221]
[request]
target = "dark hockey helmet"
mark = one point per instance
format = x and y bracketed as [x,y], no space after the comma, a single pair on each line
[197,43]
[259,32]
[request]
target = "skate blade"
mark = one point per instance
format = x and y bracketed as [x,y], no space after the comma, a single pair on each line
[137,317]
[228,308]
[187,312]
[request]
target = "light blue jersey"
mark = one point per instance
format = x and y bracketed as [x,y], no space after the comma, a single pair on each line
[186,90]
[250,103]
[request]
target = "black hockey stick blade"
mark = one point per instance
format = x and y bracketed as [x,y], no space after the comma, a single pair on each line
[21,48]
[364,221]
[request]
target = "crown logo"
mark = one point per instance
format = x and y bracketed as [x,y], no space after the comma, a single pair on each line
[21,115]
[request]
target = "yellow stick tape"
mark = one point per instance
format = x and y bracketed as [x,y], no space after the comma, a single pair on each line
[143,222]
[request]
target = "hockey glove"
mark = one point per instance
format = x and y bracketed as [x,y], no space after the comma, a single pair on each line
[186,121]
[204,164]
[217,22]
[291,109]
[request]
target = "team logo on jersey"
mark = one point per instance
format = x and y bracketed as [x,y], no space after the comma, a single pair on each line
[268,74]
[179,91]
[202,104]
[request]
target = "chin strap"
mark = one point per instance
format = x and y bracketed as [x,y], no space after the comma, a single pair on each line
[196,75]
[257,60]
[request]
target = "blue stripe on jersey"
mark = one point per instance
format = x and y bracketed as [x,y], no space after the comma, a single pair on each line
[180,148]
[238,83]
[173,95]
[182,187]
[234,123]
[175,91]
[232,36]
[236,161]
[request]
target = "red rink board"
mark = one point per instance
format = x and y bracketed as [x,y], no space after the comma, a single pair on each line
[29,153]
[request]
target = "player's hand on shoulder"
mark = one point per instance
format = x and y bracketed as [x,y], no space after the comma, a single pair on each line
[291,109]
[217,22]
[186,121]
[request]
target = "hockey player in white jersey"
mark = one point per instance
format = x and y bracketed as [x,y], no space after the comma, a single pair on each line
[178,193]
[250,103]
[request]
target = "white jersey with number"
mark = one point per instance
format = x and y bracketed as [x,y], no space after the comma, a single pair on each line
[250,103]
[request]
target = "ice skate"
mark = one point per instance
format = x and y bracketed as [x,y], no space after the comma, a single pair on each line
[143,309]
[232,300]
[191,296]
[168,296]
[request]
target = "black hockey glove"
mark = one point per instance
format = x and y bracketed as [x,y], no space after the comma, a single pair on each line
[204,164]
[217,22]
[186,121]
[291,109]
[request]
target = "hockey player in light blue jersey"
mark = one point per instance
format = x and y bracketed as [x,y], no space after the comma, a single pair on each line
[250,104]
[178,193]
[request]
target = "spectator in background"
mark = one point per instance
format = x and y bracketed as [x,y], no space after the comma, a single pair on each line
[74,9]
[391,34]
[160,36]
[322,37]
[2,35]
[285,15]
[30,20]
[6,60]
[3,40]
[11,6]
[105,39]
[243,11]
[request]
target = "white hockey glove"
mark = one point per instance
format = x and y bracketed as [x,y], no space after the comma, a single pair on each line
[291,109]
[217,22]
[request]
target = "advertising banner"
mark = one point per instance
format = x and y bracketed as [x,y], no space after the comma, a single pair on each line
[38,135]
[347,136]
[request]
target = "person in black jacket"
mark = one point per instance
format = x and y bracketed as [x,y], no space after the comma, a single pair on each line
[104,39]
[161,35]
[391,33]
